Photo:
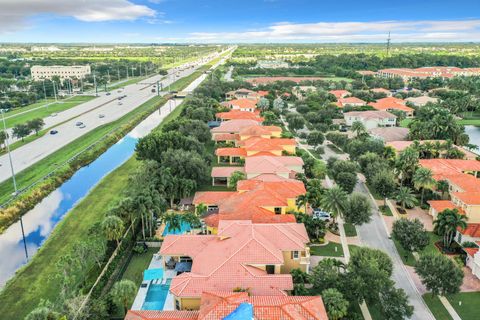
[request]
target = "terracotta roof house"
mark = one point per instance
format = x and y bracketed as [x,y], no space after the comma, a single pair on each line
[382,90]
[259,131]
[255,200]
[421,101]
[371,119]
[339,93]
[389,104]
[367,73]
[221,175]
[242,94]
[242,255]
[286,167]
[241,104]
[239,115]
[350,101]
[387,134]
[225,137]
[218,305]
[232,127]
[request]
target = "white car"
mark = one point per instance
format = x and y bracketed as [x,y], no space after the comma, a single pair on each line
[321,215]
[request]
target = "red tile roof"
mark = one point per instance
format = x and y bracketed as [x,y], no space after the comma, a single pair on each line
[226,137]
[240,152]
[469,198]
[233,126]
[341,102]
[262,93]
[471,251]
[390,103]
[266,144]
[440,205]
[220,304]
[237,114]
[211,197]
[272,165]
[472,230]
[339,93]
[225,261]
[241,104]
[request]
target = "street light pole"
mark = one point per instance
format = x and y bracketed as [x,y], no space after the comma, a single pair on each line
[14,181]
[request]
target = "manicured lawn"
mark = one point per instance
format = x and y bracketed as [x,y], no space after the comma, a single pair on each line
[386,211]
[138,264]
[350,230]
[44,111]
[436,307]
[335,149]
[431,245]
[470,302]
[470,122]
[332,249]
[32,283]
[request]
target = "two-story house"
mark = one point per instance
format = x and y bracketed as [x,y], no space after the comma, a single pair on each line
[371,119]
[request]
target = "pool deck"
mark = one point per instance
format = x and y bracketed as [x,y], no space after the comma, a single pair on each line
[155,263]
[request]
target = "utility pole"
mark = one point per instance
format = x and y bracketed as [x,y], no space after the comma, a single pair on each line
[388,44]
[14,182]
[108,74]
[133,74]
[118,73]
[55,90]
[44,90]
[127,71]
[158,88]
[95,84]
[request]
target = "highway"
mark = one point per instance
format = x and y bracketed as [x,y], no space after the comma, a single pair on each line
[88,113]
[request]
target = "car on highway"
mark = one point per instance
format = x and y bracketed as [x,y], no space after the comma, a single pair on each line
[54,115]
[82,126]
[53,132]
[119,103]
[108,93]
[101,116]
[321,215]
[79,123]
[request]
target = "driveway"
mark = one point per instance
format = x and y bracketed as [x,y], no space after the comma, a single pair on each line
[374,235]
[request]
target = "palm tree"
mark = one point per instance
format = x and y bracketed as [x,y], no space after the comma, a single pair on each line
[406,163]
[334,201]
[113,227]
[302,201]
[201,209]
[422,179]
[123,292]
[173,220]
[443,187]
[358,128]
[447,223]
[192,219]
[405,197]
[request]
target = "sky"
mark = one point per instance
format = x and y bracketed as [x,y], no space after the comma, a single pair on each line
[230,21]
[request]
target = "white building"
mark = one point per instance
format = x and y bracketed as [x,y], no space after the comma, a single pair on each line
[371,119]
[421,101]
[63,72]
[271,64]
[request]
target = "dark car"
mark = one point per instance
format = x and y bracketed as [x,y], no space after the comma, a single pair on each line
[53,131]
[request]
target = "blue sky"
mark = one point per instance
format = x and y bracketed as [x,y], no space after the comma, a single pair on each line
[130,21]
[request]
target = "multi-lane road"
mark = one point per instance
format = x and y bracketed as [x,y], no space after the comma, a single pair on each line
[89,114]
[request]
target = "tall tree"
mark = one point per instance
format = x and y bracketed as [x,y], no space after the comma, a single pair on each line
[423,179]
[113,228]
[335,303]
[35,125]
[334,200]
[411,234]
[406,164]
[384,183]
[358,209]
[358,128]
[173,221]
[123,292]
[443,187]
[20,131]
[405,197]
[439,274]
[447,223]
[3,138]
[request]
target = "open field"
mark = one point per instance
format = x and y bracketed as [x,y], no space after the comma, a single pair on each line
[17,117]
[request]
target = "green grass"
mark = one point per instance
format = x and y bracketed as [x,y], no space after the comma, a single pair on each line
[327,250]
[126,83]
[334,148]
[386,211]
[405,122]
[431,245]
[44,111]
[138,264]
[407,257]
[375,311]
[470,122]
[350,230]
[32,282]
[436,307]
[470,302]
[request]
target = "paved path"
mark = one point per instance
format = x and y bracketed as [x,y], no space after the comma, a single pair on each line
[228,75]
[449,308]
[88,113]
[375,235]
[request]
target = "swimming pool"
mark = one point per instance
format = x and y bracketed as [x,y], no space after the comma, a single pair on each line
[184,227]
[156,296]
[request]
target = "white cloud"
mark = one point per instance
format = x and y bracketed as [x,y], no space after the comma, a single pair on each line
[376,31]
[15,13]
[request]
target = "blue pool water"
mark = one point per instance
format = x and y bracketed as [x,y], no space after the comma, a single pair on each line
[185,227]
[156,296]
[152,274]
